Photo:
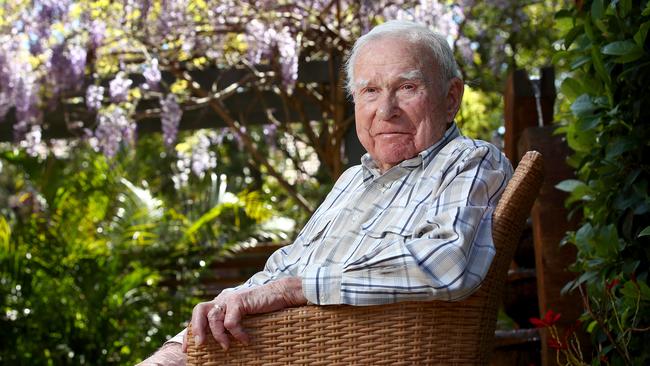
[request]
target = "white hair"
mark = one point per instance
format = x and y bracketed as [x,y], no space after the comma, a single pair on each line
[414,33]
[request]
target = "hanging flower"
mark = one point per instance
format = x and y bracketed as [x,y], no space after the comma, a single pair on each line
[152,74]
[94,97]
[170,118]
[550,318]
[119,88]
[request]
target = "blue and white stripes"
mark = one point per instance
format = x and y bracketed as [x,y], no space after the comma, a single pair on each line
[420,231]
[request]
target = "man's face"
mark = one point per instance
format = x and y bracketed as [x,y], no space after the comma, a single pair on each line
[399,108]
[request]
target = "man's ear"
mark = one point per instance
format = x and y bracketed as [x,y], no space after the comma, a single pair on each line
[454,97]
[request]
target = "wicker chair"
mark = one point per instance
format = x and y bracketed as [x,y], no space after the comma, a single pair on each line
[408,333]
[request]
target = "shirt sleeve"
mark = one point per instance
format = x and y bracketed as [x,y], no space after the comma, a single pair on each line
[445,255]
[285,261]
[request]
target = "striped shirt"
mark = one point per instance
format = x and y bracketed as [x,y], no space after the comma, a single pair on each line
[420,231]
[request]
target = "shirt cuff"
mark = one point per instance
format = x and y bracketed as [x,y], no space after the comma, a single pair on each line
[178,338]
[322,285]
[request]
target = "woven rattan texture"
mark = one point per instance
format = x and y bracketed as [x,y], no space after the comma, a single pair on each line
[410,333]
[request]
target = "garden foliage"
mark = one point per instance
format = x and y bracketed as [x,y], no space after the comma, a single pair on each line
[606,45]
[100,261]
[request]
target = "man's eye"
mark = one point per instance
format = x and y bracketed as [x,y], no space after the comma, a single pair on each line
[407,87]
[370,90]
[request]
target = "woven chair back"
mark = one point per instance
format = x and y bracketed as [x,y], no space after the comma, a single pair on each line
[409,333]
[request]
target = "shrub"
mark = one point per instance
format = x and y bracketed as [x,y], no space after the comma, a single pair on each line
[605,44]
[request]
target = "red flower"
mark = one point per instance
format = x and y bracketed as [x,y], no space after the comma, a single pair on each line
[549,319]
[613,283]
[555,344]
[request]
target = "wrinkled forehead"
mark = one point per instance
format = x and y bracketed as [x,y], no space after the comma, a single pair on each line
[415,75]
[392,57]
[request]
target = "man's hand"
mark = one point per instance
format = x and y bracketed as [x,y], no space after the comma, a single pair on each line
[226,311]
[170,354]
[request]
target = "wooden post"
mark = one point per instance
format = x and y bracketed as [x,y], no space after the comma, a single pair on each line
[524,99]
[550,224]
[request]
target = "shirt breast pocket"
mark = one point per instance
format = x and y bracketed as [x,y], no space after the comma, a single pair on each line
[403,222]
[315,229]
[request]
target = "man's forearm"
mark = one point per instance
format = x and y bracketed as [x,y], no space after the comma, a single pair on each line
[291,290]
[169,354]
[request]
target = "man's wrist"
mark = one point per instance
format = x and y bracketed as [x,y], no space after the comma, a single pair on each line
[291,290]
[170,354]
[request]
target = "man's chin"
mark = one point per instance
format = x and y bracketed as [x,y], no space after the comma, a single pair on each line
[390,159]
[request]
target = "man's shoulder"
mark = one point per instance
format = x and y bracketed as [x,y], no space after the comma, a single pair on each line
[464,144]
[464,149]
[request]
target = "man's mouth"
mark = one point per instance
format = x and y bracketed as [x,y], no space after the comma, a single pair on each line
[390,133]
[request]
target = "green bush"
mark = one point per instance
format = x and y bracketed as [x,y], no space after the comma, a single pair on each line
[606,46]
[96,269]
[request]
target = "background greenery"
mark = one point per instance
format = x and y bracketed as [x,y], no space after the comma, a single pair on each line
[100,260]
[606,46]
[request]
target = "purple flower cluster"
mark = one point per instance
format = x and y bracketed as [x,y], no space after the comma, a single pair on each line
[94,97]
[170,118]
[18,85]
[118,88]
[197,160]
[33,144]
[67,67]
[438,15]
[152,74]
[113,128]
[263,40]
[97,33]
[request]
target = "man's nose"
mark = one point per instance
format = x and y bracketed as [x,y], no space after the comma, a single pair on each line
[388,106]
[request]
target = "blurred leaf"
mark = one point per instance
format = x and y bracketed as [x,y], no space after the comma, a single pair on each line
[644,232]
[619,48]
[571,88]
[569,185]
[583,106]
[597,9]
[641,35]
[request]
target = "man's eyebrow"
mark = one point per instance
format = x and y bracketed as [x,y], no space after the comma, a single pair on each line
[412,75]
[361,83]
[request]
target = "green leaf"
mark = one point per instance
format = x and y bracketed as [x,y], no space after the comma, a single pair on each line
[607,242]
[619,146]
[583,106]
[591,326]
[563,24]
[642,33]
[572,35]
[630,291]
[646,11]
[589,30]
[645,290]
[579,61]
[569,185]
[636,54]
[571,88]
[619,48]
[625,6]
[599,65]
[644,232]
[597,9]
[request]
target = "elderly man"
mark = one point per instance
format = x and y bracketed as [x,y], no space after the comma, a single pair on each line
[412,222]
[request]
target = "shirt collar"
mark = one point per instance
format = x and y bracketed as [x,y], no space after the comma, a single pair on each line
[421,160]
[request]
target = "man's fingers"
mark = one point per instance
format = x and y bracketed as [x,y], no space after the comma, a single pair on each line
[184,347]
[232,322]
[199,322]
[215,322]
